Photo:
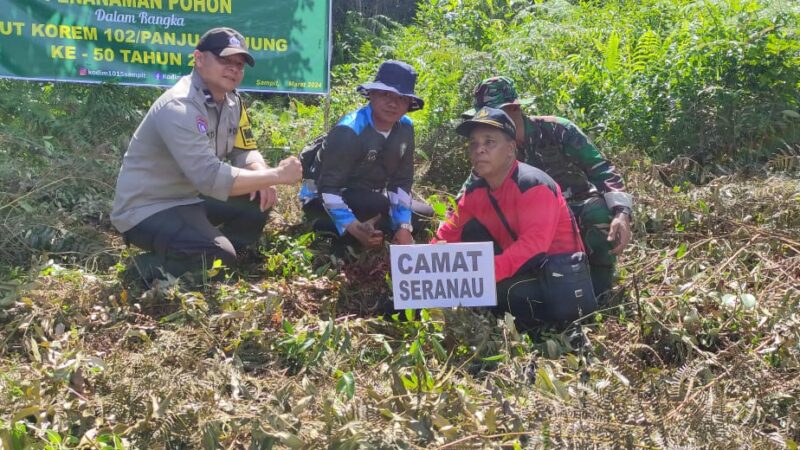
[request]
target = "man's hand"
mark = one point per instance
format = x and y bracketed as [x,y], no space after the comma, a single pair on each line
[366,233]
[620,231]
[291,171]
[267,197]
[402,237]
[257,177]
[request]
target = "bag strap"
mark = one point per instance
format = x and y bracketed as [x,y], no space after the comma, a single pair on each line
[500,214]
[573,221]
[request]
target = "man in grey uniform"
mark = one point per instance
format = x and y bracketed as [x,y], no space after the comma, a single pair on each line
[175,187]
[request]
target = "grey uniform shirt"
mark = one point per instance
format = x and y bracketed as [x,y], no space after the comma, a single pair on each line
[178,152]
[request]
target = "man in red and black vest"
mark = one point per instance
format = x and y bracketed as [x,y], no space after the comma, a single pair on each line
[523,212]
[591,184]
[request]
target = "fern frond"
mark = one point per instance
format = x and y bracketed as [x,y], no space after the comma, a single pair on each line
[786,159]
[646,51]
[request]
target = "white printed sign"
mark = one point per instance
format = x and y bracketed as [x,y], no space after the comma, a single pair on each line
[443,275]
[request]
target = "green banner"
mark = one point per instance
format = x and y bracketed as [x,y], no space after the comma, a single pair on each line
[150,42]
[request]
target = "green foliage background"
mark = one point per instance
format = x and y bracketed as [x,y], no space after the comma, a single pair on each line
[716,81]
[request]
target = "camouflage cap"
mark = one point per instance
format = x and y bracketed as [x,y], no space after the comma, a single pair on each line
[495,92]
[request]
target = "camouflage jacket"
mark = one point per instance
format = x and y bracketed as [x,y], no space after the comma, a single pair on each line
[560,148]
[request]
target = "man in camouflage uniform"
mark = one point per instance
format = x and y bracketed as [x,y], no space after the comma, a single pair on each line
[591,184]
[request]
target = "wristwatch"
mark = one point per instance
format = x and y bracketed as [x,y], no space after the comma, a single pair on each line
[407,227]
[623,210]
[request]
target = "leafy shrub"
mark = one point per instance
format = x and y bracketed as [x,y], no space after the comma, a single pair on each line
[714,80]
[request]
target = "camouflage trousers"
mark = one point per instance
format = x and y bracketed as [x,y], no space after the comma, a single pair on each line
[594,219]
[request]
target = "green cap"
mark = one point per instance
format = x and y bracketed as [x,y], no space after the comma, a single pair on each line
[495,92]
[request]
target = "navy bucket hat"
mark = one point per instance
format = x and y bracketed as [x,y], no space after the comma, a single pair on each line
[397,77]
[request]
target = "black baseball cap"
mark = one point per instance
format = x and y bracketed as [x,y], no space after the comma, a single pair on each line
[224,41]
[491,117]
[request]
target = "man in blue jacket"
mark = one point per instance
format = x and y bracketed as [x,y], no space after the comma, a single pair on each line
[365,168]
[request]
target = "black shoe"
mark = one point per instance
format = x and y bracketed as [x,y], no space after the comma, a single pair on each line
[143,270]
[248,256]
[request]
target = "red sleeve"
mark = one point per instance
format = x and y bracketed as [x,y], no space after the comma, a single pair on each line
[538,215]
[450,230]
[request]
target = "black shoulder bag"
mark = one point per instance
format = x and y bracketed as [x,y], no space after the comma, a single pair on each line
[564,277]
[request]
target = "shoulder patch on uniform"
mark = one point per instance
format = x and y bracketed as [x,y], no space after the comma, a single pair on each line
[202,124]
[244,136]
